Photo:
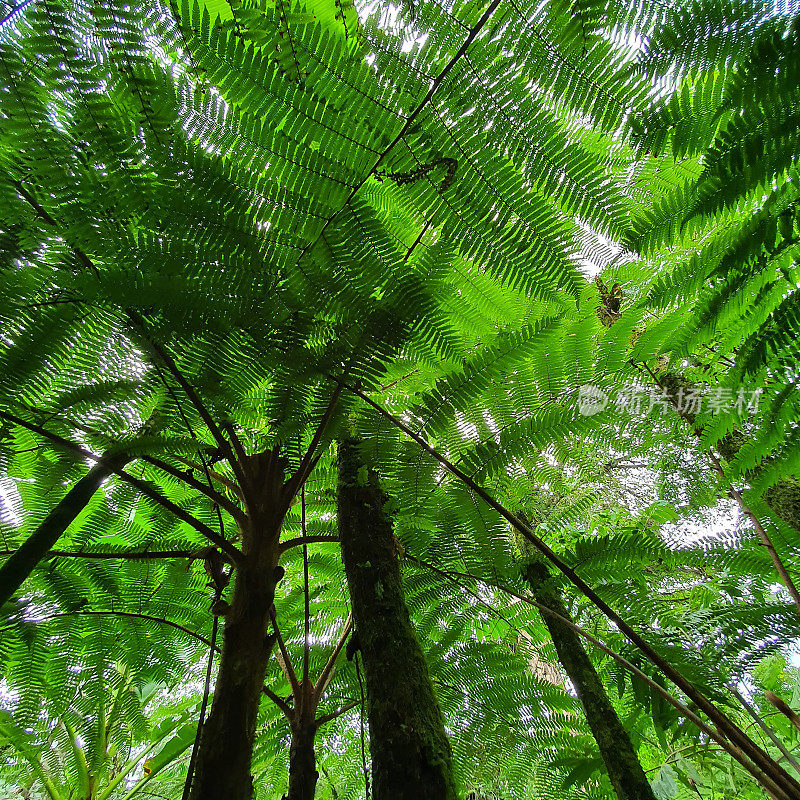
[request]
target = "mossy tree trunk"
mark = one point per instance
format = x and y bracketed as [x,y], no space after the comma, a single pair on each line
[783,497]
[411,756]
[620,758]
[19,566]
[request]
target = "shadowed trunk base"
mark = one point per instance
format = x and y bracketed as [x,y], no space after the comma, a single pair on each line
[303,773]
[222,771]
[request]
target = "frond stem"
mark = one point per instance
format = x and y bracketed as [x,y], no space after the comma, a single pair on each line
[133,555]
[758,720]
[290,543]
[216,476]
[411,118]
[288,669]
[282,705]
[187,786]
[219,499]
[129,614]
[139,323]
[334,714]
[189,391]
[322,681]
[621,660]
[309,460]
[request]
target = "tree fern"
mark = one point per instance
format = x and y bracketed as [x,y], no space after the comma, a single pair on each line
[243,223]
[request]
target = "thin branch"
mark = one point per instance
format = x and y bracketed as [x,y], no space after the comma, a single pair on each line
[203,462]
[129,555]
[42,214]
[322,681]
[334,793]
[322,537]
[675,753]
[306,599]
[766,728]
[142,486]
[288,669]
[181,514]
[394,383]
[187,786]
[334,714]
[223,501]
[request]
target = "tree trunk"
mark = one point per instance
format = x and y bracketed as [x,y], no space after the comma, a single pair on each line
[620,758]
[225,752]
[411,757]
[783,498]
[302,764]
[24,560]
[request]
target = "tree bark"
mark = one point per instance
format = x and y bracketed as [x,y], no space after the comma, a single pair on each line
[303,773]
[24,560]
[411,756]
[620,758]
[225,752]
[783,498]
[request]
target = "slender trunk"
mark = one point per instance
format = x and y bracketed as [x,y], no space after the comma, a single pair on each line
[783,497]
[766,771]
[225,752]
[24,560]
[411,756]
[302,763]
[620,758]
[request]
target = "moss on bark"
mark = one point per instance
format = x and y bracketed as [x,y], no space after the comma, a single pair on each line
[411,756]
